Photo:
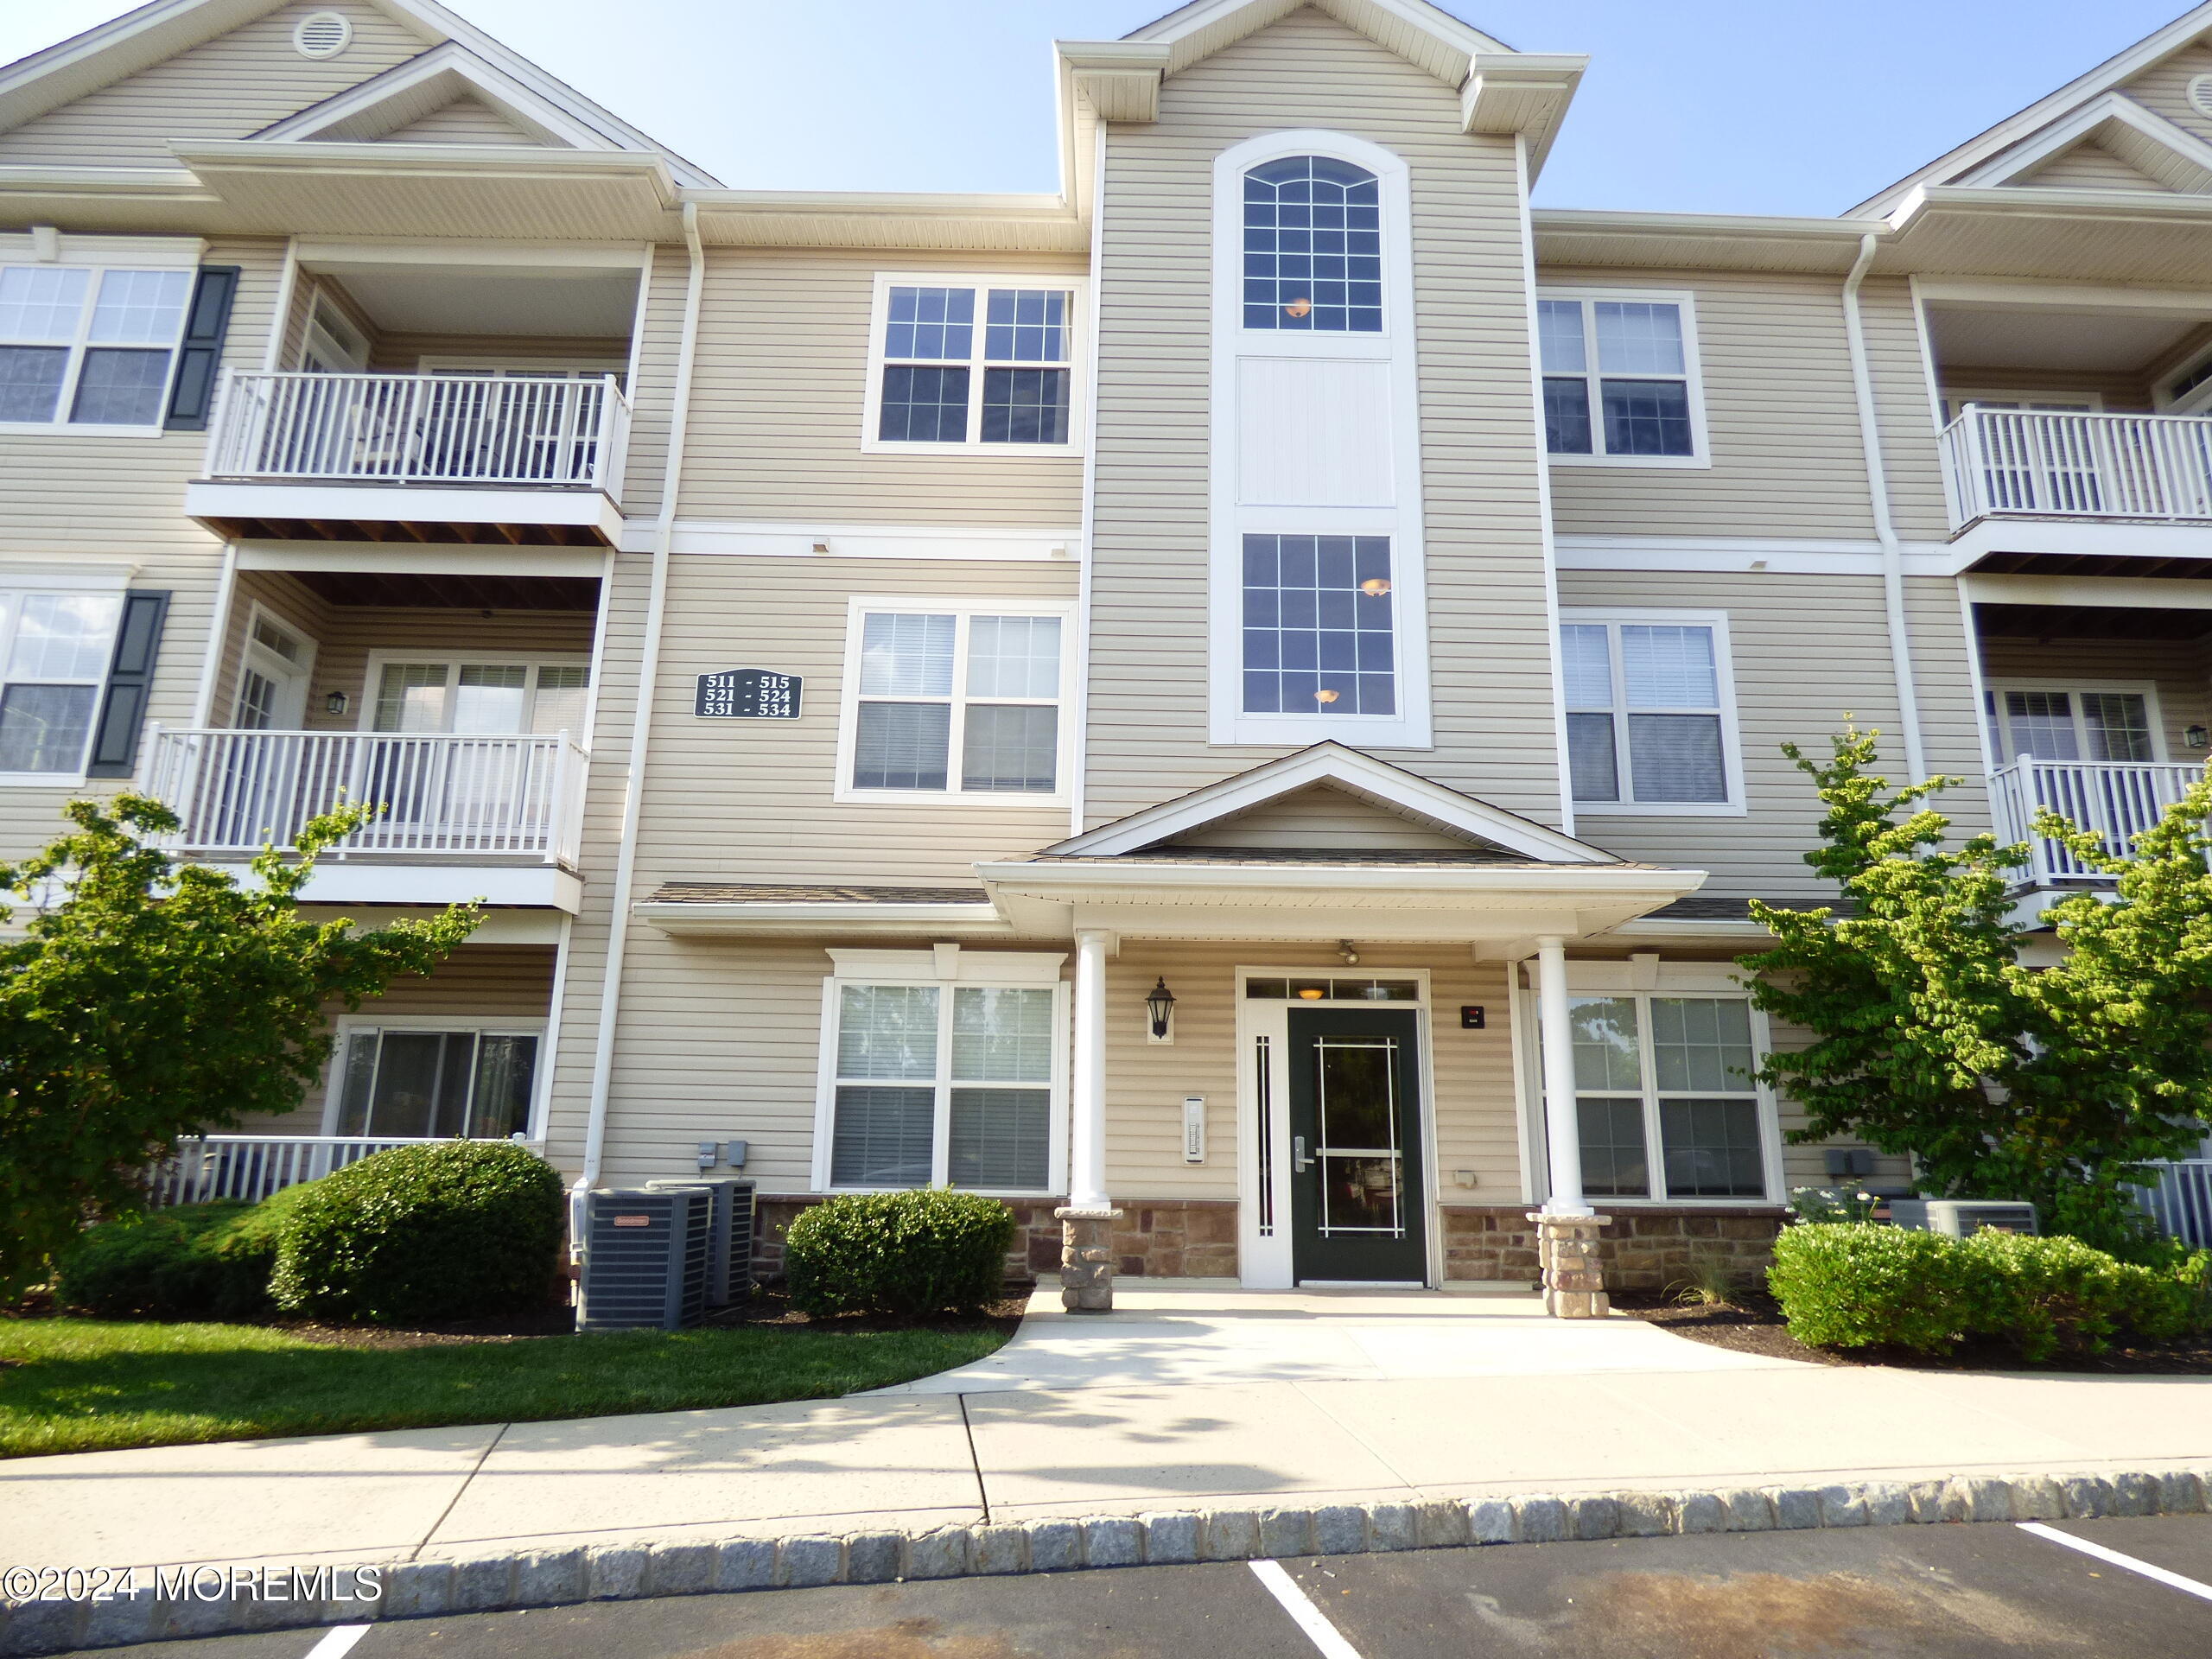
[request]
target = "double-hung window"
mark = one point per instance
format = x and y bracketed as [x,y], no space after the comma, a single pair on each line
[946,700]
[973,363]
[1620,377]
[936,1083]
[1650,713]
[438,1079]
[90,348]
[1674,1075]
[56,653]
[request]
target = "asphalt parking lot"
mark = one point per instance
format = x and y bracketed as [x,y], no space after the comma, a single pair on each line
[1941,1592]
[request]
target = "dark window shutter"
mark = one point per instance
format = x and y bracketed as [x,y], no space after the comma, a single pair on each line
[130,680]
[192,394]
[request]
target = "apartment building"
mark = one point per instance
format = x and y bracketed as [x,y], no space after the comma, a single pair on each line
[1142,700]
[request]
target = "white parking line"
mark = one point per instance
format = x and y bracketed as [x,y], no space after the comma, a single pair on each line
[1311,1619]
[339,1642]
[2187,1587]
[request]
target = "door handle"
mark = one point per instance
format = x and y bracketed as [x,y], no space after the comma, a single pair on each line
[1298,1161]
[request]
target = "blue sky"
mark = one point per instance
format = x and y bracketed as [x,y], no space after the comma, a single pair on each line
[1754,106]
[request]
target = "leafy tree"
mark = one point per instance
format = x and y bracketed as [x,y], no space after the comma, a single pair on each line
[1931,1036]
[154,999]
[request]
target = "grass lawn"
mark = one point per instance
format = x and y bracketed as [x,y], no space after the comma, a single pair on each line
[89,1385]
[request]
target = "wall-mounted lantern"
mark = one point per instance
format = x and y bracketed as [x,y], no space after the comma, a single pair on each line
[1161,1005]
[2196,737]
[335,703]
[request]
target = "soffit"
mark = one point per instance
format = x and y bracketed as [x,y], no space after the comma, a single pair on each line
[2074,235]
[984,223]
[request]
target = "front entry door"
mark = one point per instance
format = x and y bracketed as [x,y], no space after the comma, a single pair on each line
[1355,1190]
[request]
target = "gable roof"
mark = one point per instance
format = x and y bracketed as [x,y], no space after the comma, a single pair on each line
[155,32]
[1391,788]
[405,94]
[1420,33]
[1955,165]
[2167,155]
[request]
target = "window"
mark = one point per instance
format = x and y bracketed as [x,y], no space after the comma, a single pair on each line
[55,652]
[481,698]
[1318,632]
[942,1084]
[2059,722]
[1673,1072]
[947,702]
[1651,713]
[1312,246]
[974,363]
[87,347]
[1620,378]
[476,1082]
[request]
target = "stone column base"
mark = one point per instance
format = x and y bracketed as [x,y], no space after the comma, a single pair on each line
[1087,1259]
[1574,1278]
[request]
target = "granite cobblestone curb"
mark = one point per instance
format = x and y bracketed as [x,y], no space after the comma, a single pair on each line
[499,1580]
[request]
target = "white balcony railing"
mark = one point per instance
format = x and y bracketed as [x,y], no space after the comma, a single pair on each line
[2045,463]
[2118,799]
[502,798]
[205,1167]
[521,432]
[2180,1203]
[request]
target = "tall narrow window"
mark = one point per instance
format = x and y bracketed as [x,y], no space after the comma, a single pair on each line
[956,702]
[1319,634]
[974,364]
[1619,377]
[1646,722]
[1312,246]
[1673,1073]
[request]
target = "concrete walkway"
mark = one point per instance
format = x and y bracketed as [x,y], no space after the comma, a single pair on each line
[1187,1396]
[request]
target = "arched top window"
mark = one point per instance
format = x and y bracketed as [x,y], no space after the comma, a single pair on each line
[1312,246]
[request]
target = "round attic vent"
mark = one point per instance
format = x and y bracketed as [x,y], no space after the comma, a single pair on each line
[322,34]
[2200,95]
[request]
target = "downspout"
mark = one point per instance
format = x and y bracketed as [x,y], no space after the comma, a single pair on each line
[641,724]
[1885,532]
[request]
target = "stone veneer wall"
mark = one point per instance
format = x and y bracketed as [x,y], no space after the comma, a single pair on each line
[1171,1238]
[1643,1250]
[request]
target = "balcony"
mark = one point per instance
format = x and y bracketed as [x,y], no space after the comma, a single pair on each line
[203,1168]
[464,817]
[445,458]
[2117,799]
[2024,483]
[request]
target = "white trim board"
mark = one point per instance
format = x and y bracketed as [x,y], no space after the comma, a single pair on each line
[2124,592]
[772,539]
[419,559]
[2190,157]
[1722,555]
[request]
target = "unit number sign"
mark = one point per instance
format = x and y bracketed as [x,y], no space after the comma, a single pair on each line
[747,694]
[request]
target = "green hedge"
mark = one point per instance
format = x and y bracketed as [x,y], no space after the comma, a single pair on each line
[463,1229]
[902,1253]
[1859,1284]
[195,1261]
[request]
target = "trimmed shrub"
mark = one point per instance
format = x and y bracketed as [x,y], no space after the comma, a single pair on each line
[2046,1294]
[903,1253]
[460,1230]
[190,1263]
[1853,1284]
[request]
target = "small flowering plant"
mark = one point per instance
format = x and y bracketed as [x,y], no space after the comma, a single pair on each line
[1841,1204]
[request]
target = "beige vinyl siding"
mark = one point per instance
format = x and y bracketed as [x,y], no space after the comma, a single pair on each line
[2119,393]
[2178,668]
[1489,645]
[779,397]
[112,499]
[398,353]
[652,393]
[1806,651]
[476,982]
[229,87]
[1319,817]
[2090,167]
[464,121]
[1781,416]
[2164,89]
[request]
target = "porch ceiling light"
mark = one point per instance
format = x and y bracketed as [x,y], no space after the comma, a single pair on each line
[1160,1004]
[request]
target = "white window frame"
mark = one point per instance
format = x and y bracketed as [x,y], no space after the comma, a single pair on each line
[946,969]
[267,663]
[1402,518]
[350,1026]
[372,676]
[503,368]
[1732,746]
[1700,455]
[965,610]
[12,595]
[1643,981]
[2078,403]
[1076,288]
[1999,731]
[80,342]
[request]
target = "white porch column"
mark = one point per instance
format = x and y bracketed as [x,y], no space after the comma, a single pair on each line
[1087,1085]
[1562,1131]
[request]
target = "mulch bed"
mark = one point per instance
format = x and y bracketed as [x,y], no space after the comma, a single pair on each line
[1753,1324]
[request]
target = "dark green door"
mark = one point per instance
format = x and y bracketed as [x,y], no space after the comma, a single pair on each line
[1356,1192]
